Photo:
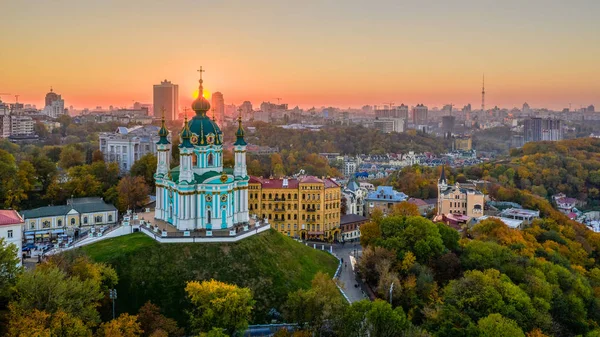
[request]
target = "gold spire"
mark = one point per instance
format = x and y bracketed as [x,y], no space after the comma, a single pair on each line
[200,88]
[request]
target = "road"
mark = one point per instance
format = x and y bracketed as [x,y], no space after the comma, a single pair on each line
[347,273]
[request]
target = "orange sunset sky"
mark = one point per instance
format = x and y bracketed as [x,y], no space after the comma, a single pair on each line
[310,53]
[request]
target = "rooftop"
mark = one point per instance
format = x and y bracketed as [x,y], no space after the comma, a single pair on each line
[512,223]
[81,205]
[351,218]
[292,183]
[520,212]
[387,193]
[10,217]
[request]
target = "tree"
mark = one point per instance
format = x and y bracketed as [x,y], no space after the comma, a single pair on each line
[315,307]
[9,265]
[71,156]
[40,129]
[495,325]
[124,326]
[369,232]
[42,324]
[153,322]
[50,289]
[97,156]
[145,167]
[376,319]
[219,305]
[133,192]
[405,208]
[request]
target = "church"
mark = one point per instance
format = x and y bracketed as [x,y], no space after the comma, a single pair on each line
[200,193]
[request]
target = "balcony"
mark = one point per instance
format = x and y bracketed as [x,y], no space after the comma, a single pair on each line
[311,209]
[278,199]
[278,209]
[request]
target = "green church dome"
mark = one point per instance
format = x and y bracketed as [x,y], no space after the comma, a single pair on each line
[205,131]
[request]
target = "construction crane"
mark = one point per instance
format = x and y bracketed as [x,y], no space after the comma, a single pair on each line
[278,99]
[391,104]
[3,93]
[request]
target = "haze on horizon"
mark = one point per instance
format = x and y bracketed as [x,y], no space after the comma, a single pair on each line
[310,53]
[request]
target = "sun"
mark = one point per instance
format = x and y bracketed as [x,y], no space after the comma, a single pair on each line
[205,94]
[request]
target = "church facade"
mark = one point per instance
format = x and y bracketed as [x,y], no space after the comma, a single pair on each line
[200,193]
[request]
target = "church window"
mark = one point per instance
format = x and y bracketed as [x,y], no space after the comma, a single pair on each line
[208,215]
[85,220]
[110,218]
[59,223]
[98,219]
[210,159]
[72,221]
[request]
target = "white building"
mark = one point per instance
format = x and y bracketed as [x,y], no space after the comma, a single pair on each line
[45,223]
[387,125]
[200,193]
[55,109]
[21,126]
[126,145]
[11,229]
[355,195]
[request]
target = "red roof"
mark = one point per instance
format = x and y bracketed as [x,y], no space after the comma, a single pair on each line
[292,183]
[418,202]
[10,217]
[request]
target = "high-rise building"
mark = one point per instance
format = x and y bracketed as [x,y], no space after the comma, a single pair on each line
[537,129]
[591,108]
[218,105]
[448,124]
[246,109]
[51,97]
[526,108]
[55,105]
[166,95]
[387,125]
[400,111]
[420,114]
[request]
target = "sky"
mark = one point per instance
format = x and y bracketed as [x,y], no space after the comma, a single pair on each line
[344,53]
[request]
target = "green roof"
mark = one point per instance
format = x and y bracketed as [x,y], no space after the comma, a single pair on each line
[198,178]
[81,205]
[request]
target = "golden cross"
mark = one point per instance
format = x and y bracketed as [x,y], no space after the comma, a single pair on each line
[185,111]
[200,71]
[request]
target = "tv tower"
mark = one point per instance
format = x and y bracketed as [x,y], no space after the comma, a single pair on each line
[483,94]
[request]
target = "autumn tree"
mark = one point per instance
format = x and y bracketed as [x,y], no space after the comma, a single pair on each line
[123,326]
[153,323]
[133,192]
[219,305]
[97,156]
[43,324]
[405,208]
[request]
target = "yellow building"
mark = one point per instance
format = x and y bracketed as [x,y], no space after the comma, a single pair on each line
[458,200]
[304,207]
[463,143]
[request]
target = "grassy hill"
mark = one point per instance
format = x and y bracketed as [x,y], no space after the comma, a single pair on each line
[270,264]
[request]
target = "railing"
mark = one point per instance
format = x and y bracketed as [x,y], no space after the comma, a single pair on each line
[279,209]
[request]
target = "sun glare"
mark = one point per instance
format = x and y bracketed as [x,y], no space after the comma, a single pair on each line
[206,94]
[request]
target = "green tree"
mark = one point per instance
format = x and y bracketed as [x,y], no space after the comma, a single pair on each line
[376,319]
[145,167]
[495,325]
[71,156]
[49,289]
[315,307]
[219,305]
[9,265]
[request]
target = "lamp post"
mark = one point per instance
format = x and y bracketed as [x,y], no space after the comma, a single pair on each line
[112,294]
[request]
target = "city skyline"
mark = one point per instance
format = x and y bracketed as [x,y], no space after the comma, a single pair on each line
[314,54]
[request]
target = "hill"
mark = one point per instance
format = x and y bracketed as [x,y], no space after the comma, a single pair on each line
[270,264]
